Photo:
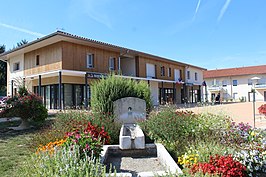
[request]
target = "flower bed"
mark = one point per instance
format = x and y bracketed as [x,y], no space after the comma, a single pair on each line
[207,144]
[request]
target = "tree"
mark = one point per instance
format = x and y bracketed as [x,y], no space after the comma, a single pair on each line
[2,72]
[22,42]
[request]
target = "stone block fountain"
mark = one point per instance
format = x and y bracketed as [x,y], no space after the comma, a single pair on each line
[132,157]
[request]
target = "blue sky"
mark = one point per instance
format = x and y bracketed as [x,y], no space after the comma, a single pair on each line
[207,33]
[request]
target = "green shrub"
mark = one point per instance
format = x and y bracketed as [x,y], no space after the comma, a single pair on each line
[27,106]
[112,88]
[179,130]
[63,162]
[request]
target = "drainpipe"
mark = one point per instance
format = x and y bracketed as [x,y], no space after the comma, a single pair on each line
[119,65]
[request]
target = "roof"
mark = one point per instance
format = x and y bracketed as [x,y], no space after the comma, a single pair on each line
[250,70]
[3,56]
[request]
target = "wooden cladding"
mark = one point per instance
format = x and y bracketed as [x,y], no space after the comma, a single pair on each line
[159,65]
[71,56]
[74,58]
[45,59]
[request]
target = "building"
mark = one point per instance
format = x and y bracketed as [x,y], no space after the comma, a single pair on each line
[237,84]
[60,67]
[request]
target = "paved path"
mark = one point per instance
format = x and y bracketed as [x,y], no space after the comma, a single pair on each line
[239,112]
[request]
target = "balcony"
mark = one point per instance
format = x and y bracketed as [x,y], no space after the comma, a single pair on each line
[260,86]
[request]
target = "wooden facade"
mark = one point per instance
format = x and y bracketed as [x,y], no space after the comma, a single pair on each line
[50,59]
[68,53]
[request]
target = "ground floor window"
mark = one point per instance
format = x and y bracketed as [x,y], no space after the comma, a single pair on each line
[72,95]
[166,95]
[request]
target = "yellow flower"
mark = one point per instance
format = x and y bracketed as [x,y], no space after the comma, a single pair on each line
[253,133]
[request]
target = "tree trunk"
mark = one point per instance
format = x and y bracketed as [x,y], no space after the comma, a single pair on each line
[23,126]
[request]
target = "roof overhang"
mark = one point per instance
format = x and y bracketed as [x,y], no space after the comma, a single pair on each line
[62,36]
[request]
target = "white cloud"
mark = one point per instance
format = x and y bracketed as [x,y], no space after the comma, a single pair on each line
[21,30]
[223,10]
[96,10]
[197,9]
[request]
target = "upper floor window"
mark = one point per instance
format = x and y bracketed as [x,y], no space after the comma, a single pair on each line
[188,74]
[16,66]
[234,82]
[249,82]
[196,76]
[162,71]
[111,63]
[224,82]
[37,60]
[169,72]
[150,70]
[90,60]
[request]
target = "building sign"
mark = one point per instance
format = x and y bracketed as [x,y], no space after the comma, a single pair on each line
[96,75]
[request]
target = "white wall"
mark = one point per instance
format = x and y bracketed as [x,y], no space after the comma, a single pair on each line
[128,66]
[241,90]
[154,93]
[192,75]
[15,75]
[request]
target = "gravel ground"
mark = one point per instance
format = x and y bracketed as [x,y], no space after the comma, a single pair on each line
[134,165]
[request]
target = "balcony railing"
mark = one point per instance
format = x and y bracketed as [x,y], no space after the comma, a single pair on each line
[260,86]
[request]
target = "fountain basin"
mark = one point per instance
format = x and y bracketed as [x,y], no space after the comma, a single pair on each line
[131,137]
[151,161]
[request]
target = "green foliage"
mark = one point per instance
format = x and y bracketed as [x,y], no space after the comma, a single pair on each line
[27,106]
[63,162]
[3,71]
[112,88]
[70,120]
[179,130]
[22,42]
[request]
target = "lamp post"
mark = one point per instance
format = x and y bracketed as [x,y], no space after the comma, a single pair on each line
[254,82]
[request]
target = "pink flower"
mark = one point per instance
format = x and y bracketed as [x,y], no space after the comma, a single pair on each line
[78,136]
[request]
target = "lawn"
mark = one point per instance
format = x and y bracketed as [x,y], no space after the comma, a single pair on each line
[15,147]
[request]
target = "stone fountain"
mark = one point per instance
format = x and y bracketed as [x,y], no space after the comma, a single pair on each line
[132,157]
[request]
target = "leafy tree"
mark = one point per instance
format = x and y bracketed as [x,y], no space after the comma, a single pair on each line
[2,72]
[22,42]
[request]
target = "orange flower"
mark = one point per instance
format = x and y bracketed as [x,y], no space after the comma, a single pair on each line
[50,146]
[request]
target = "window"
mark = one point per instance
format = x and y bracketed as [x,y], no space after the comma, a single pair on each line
[162,71]
[90,60]
[150,70]
[37,60]
[188,74]
[224,83]
[16,66]
[169,72]
[111,63]
[196,76]
[213,82]
[249,82]
[234,82]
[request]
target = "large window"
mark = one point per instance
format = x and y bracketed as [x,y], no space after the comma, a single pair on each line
[224,83]
[150,70]
[111,63]
[90,60]
[169,72]
[249,82]
[234,82]
[37,60]
[16,66]
[162,71]
[196,76]
[188,74]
